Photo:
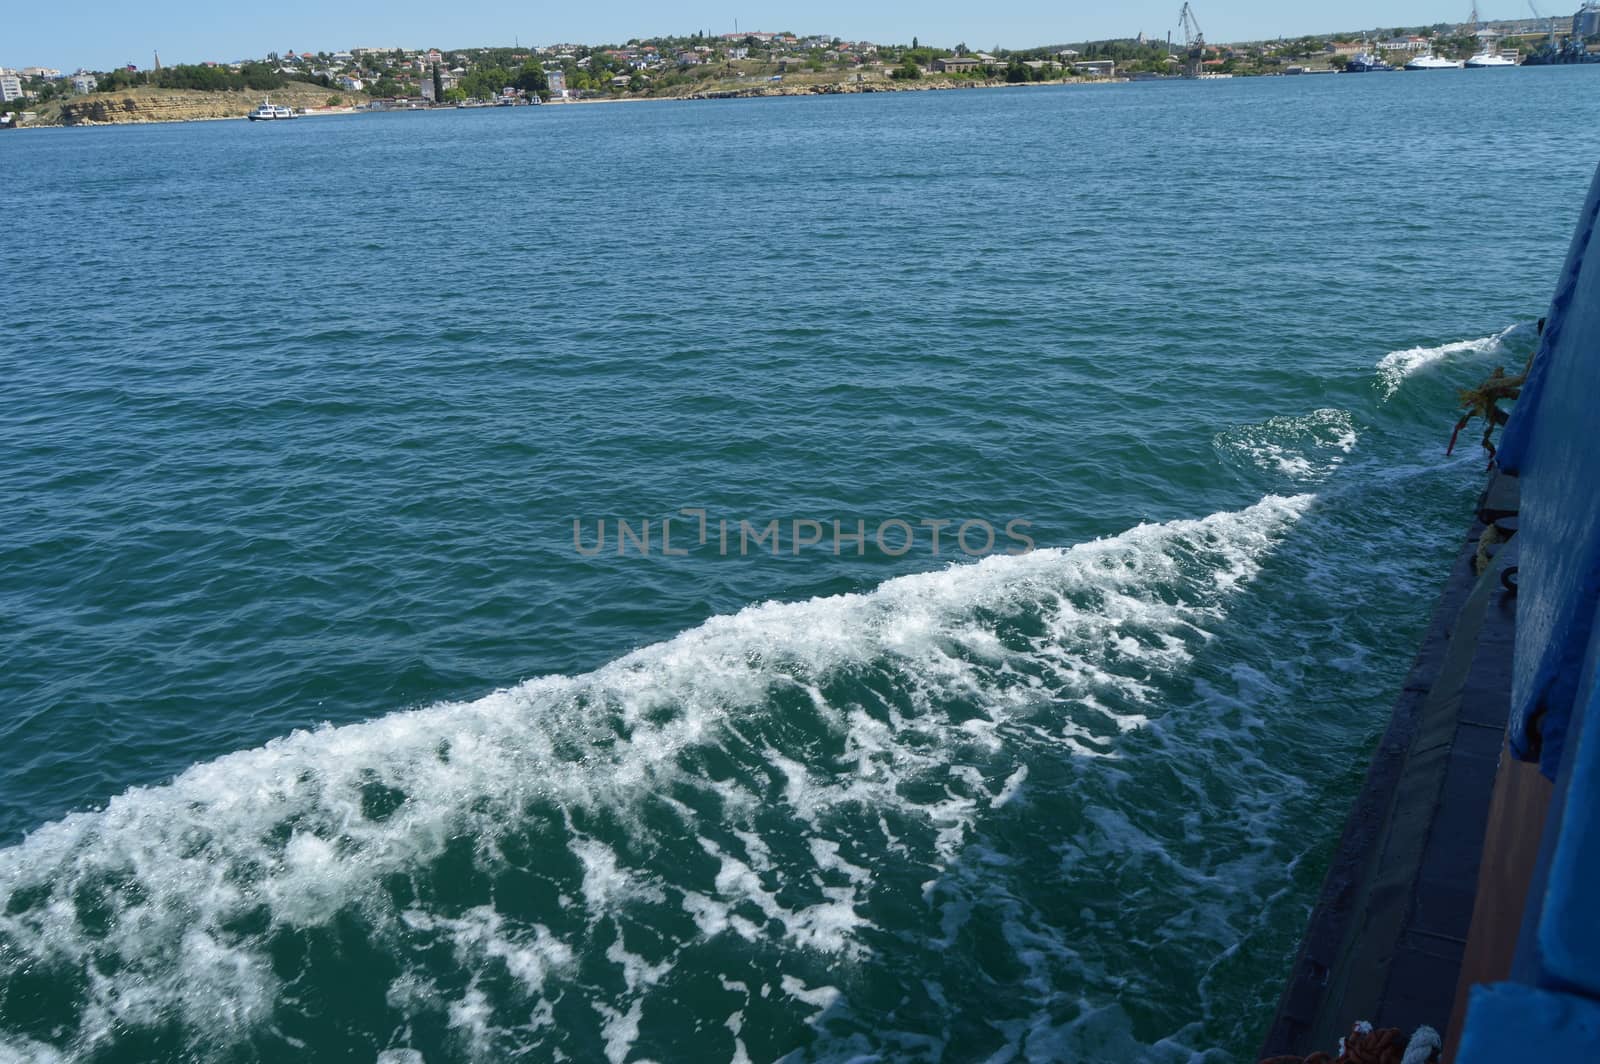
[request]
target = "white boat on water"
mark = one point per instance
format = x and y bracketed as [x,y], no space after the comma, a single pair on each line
[1488,55]
[270,112]
[1429,61]
[1488,58]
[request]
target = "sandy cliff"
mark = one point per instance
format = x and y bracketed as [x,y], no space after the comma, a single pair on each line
[179,105]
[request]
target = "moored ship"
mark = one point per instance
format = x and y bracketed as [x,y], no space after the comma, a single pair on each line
[1429,61]
[1364,62]
[1367,61]
[1568,52]
[269,111]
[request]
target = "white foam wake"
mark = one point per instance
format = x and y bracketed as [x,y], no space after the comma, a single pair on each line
[1307,447]
[1395,367]
[158,910]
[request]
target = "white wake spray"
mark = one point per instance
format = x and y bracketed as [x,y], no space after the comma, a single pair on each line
[1395,367]
[159,909]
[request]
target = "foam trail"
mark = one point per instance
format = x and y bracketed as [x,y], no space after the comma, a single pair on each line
[167,909]
[1395,367]
[1307,448]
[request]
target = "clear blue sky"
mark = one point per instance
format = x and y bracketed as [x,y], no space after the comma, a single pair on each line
[101,33]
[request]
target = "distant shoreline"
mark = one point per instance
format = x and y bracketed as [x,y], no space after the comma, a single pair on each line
[769,91]
[137,116]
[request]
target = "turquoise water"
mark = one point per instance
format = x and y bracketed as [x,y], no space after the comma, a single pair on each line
[323,739]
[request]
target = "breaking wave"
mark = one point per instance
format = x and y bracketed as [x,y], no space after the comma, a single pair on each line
[1395,367]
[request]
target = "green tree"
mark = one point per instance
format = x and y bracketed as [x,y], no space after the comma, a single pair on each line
[907,70]
[484,83]
[438,84]
[260,76]
[532,78]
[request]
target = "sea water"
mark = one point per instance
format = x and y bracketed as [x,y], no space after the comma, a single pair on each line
[334,730]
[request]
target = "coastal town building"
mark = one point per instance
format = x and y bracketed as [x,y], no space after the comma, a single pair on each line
[1586,23]
[447,81]
[84,82]
[1096,68]
[956,64]
[10,86]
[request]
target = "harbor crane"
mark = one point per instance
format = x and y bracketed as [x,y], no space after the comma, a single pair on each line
[1192,36]
[1550,23]
[1194,41]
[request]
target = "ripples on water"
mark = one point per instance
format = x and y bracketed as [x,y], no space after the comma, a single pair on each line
[300,418]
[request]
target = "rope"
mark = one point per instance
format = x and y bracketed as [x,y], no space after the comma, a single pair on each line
[1484,401]
[1423,1047]
[1364,1045]
[1490,537]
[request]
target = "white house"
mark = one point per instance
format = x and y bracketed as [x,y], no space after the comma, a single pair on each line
[10,86]
[1096,68]
[84,82]
[447,81]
